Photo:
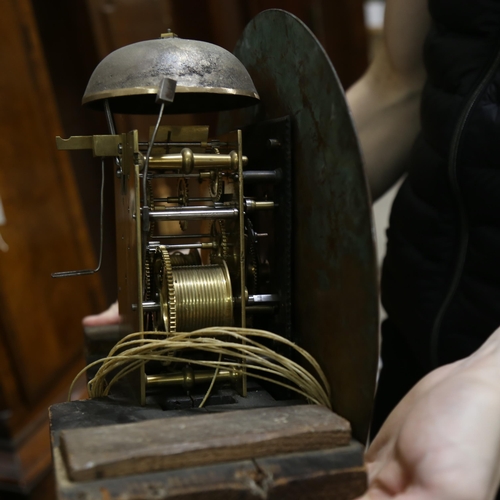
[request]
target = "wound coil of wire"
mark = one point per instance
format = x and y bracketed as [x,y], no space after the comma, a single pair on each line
[237,349]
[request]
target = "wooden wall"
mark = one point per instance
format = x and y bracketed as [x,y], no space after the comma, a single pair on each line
[44,231]
[338,24]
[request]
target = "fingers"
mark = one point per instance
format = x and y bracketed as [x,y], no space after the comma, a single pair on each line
[108,317]
[375,494]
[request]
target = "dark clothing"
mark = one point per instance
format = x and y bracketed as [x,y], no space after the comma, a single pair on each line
[441,274]
[401,372]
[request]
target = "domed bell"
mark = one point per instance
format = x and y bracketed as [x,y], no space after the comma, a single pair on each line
[209,78]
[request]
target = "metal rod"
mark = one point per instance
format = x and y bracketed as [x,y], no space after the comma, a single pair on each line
[188,246]
[150,306]
[261,309]
[194,213]
[145,219]
[175,199]
[260,299]
[181,236]
[109,118]
[112,127]
[84,272]
[271,176]
[211,144]
[148,154]
[252,205]
[175,176]
[187,161]
[264,298]
[241,220]
[188,378]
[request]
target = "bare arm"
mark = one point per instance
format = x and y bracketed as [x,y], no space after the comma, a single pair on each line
[385,101]
[442,441]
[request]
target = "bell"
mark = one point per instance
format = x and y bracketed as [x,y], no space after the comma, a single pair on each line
[209,78]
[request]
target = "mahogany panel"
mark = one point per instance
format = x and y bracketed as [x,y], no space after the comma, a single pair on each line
[40,319]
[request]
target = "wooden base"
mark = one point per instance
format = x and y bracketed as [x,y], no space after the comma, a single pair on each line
[332,474]
[335,473]
[186,442]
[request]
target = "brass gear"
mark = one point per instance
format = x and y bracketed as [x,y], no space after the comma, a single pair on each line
[178,259]
[183,196]
[219,238]
[216,183]
[165,283]
[216,186]
[147,279]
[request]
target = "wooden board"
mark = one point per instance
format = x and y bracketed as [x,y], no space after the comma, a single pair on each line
[336,474]
[144,447]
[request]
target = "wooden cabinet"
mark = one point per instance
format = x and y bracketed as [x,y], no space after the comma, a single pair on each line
[44,230]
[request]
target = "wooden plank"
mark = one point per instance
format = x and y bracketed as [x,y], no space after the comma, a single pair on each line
[143,447]
[327,474]
[336,474]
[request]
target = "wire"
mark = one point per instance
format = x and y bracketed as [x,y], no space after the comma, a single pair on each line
[235,347]
[148,154]
[212,383]
[85,272]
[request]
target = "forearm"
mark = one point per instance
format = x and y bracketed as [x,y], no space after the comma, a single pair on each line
[471,394]
[385,102]
[443,439]
[387,123]
[486,360]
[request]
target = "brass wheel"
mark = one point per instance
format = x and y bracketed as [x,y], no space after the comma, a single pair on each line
[165,283]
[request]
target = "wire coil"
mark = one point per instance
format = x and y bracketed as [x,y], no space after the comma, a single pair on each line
[236,348]
[203,295]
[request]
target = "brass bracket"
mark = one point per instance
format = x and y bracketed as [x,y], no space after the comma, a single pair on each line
[130,151]
[101,145]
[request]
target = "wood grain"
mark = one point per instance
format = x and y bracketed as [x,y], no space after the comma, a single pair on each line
[45,228]
[144,447]
[336,474]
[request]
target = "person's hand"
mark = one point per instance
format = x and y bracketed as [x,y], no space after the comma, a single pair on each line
[442,442]
[108,317]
